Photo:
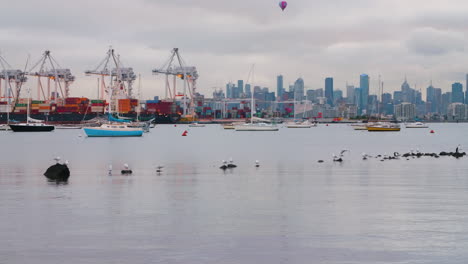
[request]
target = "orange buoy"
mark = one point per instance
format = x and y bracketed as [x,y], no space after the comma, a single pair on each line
[432,132]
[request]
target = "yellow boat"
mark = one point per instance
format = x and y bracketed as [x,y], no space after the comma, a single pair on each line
[384,127]
[228,126]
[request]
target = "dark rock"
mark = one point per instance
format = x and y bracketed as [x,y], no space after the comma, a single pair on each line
[58,172]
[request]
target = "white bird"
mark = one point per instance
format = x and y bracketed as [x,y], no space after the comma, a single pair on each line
[57,159]
[110,169]
[257,163]
[126,169]
[66,162]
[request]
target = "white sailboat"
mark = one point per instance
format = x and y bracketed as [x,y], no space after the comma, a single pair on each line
[296,123]
[260,126]
[416,125]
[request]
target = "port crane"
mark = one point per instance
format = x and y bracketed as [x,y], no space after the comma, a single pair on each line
[121,78]
[47,67]
[13,80]
[176,68]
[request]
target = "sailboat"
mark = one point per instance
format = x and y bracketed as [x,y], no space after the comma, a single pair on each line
[383,126]
[116,127]
[296,123]
[260,126]
[31,125]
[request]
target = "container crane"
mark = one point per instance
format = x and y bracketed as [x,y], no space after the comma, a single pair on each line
[176,68]
[13,80]
[112,66]
[47,67]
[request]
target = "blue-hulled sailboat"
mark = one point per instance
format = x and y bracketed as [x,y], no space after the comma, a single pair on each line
[116,127]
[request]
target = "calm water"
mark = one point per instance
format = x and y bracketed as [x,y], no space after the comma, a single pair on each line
[290,210]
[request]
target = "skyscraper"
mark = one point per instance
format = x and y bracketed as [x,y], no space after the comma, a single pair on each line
[329,90]
[431,98]
[337,96]
[279,86]
[466,92]
[299,89]
[248,92]
[364,86]
[457,93]
[229,90]
[350,94]
[240,87]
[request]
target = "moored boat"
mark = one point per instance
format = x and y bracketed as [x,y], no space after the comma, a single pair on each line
[359,126]
[416,125]
[113,130]
[256,127]
[305,124]
[384,127]
[31,127]
[195,124]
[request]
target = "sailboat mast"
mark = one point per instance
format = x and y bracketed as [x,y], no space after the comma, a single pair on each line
[27,109]
[139,95]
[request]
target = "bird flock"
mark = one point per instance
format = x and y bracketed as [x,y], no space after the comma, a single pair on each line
[60,171]
[409,155]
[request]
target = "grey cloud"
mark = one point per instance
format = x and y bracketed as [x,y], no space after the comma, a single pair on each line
[428,41]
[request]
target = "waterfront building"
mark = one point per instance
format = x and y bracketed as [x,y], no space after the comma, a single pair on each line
[329,90]
[457,111]
[405,111]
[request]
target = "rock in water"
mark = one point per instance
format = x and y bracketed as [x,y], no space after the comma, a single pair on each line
[58,172]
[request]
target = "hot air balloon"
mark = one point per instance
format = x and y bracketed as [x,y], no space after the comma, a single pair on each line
[283,5]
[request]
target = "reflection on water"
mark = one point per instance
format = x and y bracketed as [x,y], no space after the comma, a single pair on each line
[291,209]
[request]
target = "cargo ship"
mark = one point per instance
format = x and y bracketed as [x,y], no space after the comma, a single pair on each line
[74,110]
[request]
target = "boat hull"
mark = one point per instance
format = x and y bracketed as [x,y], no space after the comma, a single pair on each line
[96,132]
[383,129]
[255,128]
[300,126]
[31,128]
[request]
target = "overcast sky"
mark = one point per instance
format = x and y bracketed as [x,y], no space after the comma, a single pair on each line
[310,39]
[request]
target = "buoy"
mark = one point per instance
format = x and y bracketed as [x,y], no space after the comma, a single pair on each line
[185,133]
[175,125]
[327,124]
[432,132]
